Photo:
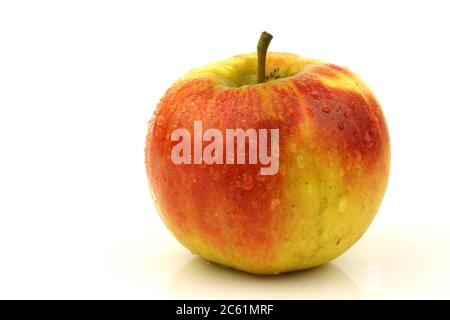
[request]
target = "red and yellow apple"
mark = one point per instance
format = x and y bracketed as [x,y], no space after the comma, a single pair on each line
[334,158]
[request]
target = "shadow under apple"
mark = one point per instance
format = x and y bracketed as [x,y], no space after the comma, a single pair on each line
[199,279]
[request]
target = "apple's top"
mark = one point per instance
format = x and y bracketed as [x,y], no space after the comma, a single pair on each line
[241,70]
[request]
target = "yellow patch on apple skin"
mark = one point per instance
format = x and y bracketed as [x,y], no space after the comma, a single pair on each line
[327,215]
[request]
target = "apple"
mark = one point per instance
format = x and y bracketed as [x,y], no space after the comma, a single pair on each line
[332,161]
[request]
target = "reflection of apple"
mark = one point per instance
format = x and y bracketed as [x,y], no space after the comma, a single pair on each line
[325,282]
[334,158]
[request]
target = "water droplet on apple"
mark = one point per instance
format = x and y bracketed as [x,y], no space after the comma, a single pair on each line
[291,111]
[247,182]
[340,126]
[310,188]
[310,113]
[351,104]
[300,162]
[275,204]
[292,147]
[209,115]
[315,95]
[342,203]
[260,178]
[358,157]
[368,141]
[160,120]
[326,109]
[346,115]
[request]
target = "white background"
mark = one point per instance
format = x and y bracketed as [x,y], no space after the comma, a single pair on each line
[80,79]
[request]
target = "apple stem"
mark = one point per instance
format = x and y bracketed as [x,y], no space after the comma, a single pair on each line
[263,45]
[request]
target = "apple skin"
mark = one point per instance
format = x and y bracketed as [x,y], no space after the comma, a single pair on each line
[334,163]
